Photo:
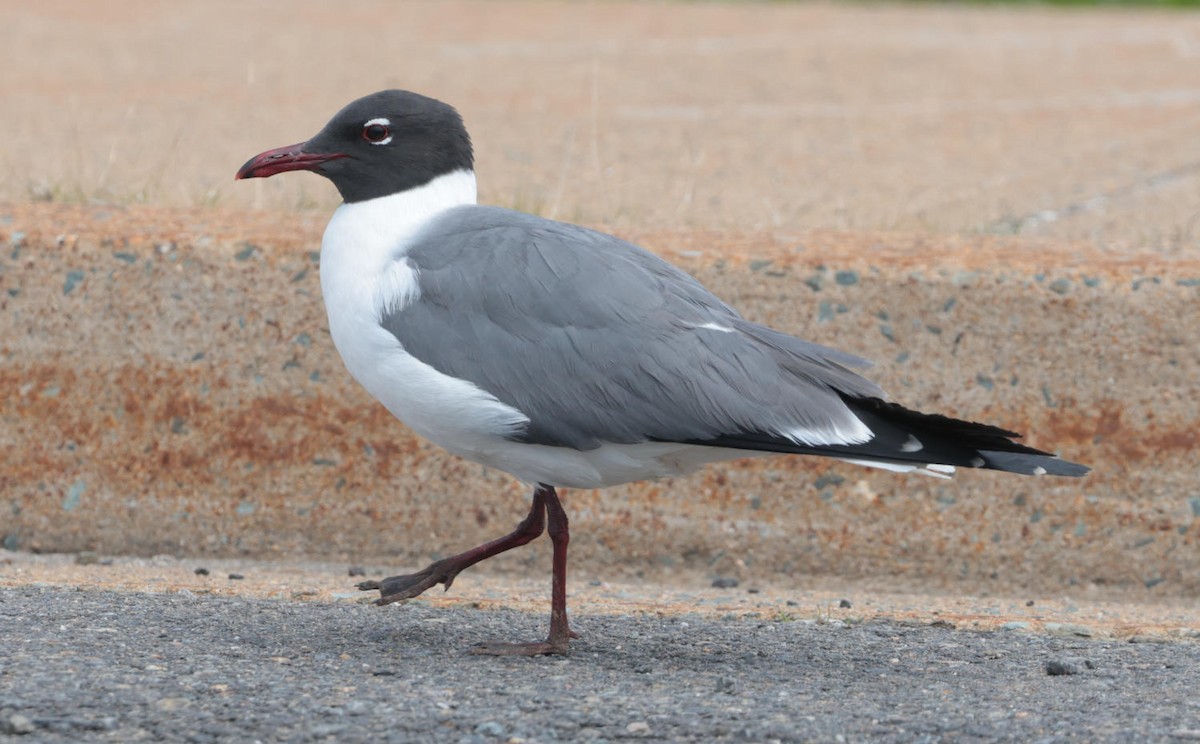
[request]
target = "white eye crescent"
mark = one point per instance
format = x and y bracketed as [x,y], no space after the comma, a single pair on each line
[377,131]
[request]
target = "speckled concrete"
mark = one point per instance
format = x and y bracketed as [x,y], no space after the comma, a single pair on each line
[168,385]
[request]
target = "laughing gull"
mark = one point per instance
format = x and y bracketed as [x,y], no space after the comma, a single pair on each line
[565,356]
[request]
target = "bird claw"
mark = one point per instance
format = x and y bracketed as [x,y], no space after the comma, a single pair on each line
[407,586]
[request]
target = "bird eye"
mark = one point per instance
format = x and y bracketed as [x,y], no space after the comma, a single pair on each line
[377,131]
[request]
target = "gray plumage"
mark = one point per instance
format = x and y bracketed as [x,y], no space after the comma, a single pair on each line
[597,340]
[621,367]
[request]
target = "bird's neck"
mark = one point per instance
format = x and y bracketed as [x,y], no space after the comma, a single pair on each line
[365,242]
[372,232]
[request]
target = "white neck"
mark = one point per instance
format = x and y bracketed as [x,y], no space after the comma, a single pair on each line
[384,224]
[363,271]
[364,240]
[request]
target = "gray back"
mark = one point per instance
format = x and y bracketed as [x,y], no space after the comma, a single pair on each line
[597,340]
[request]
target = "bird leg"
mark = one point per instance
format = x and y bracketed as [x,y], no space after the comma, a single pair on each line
[560,632]
[396,588]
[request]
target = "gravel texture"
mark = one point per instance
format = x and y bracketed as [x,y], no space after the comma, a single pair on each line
[108,666]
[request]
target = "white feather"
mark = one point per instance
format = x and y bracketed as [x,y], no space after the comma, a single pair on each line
[365,273]
[847,430]
[897,466]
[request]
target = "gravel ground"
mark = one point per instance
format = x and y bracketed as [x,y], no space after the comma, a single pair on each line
[113,666]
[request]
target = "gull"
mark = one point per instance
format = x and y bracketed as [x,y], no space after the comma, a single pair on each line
[567,357]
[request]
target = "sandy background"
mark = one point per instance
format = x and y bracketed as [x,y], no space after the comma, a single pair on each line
[1069,123]
[999,205]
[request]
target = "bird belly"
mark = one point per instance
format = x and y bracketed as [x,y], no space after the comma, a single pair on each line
[452,413]
[607,465]
[467,421]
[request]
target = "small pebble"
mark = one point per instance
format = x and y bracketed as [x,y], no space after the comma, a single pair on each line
[73,279]
[1068,629]
[201,571]
[845,604]
[727,685]
[1062,667]
[358,571]
[1060,286]
[86,558]
[18,725]
[326,730]
[236,577]
[638,727]
[490,728]
[724,582]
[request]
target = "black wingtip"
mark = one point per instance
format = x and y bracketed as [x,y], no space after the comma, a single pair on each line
[1016,462]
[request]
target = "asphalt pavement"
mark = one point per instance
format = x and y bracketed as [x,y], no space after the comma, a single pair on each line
[120,666]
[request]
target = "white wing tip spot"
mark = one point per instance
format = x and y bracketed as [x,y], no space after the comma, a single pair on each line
[1039,470]
[912,445]
[978,462]
[938,468]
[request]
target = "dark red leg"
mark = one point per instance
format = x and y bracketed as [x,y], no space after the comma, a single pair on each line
[396,588]
[560,632]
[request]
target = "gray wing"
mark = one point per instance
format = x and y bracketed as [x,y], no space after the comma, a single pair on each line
[597,340]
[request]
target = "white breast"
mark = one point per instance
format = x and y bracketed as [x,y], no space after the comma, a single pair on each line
[365,272]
